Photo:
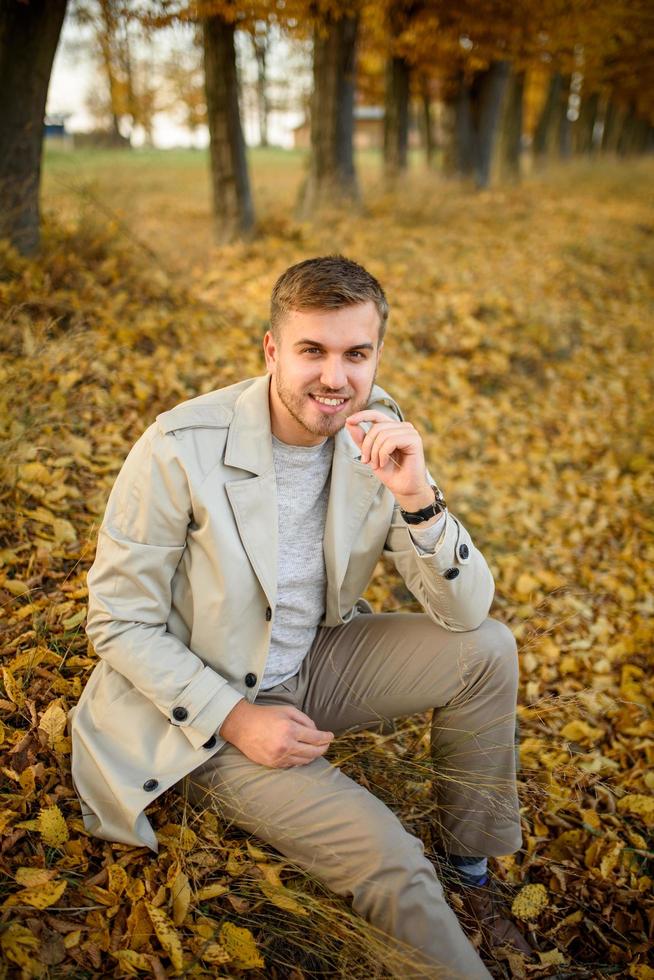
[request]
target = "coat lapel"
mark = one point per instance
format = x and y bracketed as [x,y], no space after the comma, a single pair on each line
[254,499]
[352,491]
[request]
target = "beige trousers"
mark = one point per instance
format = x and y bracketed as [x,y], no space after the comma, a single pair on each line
[360,675]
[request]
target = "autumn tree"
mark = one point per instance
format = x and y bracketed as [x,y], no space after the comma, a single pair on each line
[29,34]
[122,50]
[331,176]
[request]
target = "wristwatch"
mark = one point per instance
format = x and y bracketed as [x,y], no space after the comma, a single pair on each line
[431,510]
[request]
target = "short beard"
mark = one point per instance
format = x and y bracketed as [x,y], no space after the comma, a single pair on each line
[328,425]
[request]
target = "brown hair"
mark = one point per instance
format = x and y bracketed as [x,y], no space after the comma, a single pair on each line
[329,282]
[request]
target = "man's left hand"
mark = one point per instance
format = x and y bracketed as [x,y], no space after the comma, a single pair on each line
[394,452]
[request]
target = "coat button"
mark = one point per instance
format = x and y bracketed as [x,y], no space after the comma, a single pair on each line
[210,744]
[250,680]
[268,614]
[180,714]
[463,550]
[451,573]
[150,784]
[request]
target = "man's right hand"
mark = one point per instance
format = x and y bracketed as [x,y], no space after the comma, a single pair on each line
[278,736]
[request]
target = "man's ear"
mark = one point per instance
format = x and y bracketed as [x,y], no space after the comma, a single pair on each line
[269,351]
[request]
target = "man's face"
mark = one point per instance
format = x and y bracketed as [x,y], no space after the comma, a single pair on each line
[322,369]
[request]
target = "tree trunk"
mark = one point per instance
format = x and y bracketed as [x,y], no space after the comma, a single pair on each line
[585,125]
[260,44]
[464,134]
[510,137]
[613,118]
[427,122]
[29,33]
[487,95]
[331,177]
[232,200]
[628,138]
[396,117]
[553,128]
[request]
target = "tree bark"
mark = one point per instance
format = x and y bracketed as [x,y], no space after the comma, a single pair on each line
[232,199]
[585,142]
[463,156]
[488,90]
[29,33]
[396,117]
[478,110]
[260,44]
[427,122]
[613,119]
[553,128]
[510,137]
[331,175]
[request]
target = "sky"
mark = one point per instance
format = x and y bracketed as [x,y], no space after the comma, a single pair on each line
[74,75]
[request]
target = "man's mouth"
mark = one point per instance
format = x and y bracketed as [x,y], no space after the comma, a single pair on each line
[331,403]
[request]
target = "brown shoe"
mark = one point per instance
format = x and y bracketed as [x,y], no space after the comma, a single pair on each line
[479,910]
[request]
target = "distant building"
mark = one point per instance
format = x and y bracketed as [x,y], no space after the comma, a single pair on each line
[55,132]
[368,130]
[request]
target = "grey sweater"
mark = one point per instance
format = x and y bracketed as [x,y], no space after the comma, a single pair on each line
[303,475]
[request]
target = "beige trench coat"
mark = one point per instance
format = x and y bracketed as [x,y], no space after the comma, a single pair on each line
[183,588]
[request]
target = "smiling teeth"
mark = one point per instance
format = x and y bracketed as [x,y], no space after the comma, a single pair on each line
[329,401]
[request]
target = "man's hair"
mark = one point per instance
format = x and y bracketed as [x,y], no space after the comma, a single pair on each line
[329,282]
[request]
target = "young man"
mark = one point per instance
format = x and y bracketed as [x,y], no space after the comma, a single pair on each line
[224,605]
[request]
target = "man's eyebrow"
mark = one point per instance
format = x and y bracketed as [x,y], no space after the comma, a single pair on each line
[315,343]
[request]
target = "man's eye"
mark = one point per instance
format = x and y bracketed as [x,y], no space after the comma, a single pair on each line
[311,350]
[357,354]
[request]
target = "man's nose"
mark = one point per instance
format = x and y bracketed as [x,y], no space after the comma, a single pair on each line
[333,374]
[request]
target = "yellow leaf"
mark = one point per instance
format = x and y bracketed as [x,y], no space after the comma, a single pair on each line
[552,957]
[530,902]
[135,889]
[591,818]
[580,731]
[118,879]
[53,722]
[215,953]
[181,896]
[211,891]
[15,586]
[167,935]
[132,961]
[277,893]
[12,687]
[16,943]
[52,826]
[139,926]
[71,939]
[240,946]
[27,780]
[639,805]
[641,972]
[41,897]
[32,877]
[255,852]
[525,585]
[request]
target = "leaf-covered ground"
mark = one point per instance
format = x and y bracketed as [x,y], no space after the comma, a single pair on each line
[520,345]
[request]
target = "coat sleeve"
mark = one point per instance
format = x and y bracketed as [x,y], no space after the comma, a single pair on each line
[140,544]
[454,584]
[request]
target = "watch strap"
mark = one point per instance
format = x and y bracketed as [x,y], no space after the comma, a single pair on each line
[426,513]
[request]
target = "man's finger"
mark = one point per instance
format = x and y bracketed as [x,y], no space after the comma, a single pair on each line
[309,736]
[299,716]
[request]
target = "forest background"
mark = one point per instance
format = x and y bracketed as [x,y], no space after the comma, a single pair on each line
[514,241]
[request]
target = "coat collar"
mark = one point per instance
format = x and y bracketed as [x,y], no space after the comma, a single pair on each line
[249,442]
[353,488]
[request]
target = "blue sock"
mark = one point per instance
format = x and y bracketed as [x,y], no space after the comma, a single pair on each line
[471,870]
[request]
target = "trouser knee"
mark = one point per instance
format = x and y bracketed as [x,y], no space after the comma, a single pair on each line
[496,647]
